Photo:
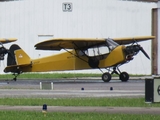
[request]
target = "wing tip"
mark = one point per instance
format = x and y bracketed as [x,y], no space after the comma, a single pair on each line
[7,40]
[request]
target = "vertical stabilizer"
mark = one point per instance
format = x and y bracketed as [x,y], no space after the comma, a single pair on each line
[17,56]
[21,57]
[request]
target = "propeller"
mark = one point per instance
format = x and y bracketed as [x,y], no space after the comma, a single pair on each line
[4,51]
[134,49]
[144,52]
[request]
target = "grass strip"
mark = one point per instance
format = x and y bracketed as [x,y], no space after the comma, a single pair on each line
[48,75]
[113,102]
[27,115]
[55,75]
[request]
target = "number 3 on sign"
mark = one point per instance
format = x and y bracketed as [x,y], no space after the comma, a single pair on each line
[67,7]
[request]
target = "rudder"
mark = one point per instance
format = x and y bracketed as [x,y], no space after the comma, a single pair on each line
[17,56]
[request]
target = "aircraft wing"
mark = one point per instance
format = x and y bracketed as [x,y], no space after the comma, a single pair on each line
[124,41]
[84,43]
[69,43]
[7,40]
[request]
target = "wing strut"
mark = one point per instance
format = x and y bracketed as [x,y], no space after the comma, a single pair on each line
[84,54]
[74,55]
[80,58]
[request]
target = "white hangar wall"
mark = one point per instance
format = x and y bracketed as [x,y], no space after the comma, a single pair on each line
[32,21]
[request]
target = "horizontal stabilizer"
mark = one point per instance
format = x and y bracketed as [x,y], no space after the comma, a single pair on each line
[15,68]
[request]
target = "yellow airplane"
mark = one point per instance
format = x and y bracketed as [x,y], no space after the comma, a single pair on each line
[3,50]
[81,53]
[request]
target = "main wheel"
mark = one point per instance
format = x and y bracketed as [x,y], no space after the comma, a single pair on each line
[124,77]
[106,77]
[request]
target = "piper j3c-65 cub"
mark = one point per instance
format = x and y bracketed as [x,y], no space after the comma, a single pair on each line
[81,53]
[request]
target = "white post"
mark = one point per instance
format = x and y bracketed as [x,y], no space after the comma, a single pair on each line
[51,85]
[158,36]
[40,85]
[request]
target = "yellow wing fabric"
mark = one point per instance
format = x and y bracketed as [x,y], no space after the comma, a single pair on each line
[69,43]
[83,43]
[123,41]
[7,40]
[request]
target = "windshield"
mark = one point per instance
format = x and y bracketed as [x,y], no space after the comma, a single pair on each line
[97,51]
[111,44]
[100,50]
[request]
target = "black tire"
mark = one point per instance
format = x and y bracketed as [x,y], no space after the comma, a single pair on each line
[106,77]
[124,77]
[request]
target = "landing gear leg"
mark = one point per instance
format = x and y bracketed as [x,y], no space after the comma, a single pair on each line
[114,71]
[123,76]
[15,76]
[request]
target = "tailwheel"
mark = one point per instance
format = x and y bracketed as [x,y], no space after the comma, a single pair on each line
[124,77]
[106,77]
[15,76]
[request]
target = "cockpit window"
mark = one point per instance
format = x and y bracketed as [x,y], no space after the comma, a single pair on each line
[100,50]
[97,51]
[111,44]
